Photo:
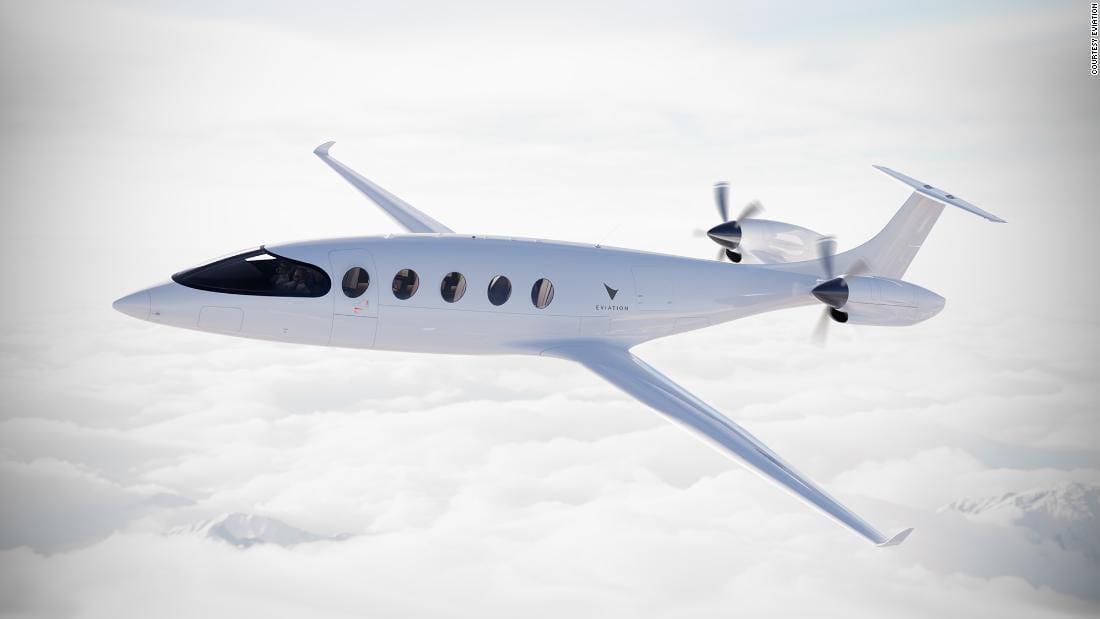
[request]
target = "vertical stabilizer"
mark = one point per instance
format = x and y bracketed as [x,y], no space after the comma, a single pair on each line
[892,250]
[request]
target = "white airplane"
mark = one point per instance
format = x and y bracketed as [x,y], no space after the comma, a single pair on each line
[434,290]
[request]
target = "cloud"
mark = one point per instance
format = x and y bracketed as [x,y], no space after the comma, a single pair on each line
[560,496]
[55,505]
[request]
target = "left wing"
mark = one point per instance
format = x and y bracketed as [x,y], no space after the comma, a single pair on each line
[402,212]
[629,373]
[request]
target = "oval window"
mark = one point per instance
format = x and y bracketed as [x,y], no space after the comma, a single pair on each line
[453,286]
[499,290]
[542,293]
[356,282]
[405,283]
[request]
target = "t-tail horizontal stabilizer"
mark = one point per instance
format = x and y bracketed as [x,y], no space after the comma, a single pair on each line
[938,194]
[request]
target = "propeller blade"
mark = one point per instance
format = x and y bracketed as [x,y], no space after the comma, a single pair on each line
[721,254]
[826,248]
[821,331]
[859,267]
[722,199]
[752,209]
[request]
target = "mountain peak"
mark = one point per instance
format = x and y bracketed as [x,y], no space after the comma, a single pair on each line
[1067,514]
[245,530]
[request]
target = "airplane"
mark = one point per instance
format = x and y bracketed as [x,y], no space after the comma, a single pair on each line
[433,290]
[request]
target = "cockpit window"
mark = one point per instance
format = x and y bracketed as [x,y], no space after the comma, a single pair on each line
[258,272]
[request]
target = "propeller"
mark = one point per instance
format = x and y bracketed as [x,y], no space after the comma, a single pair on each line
[833,292]
[728,233]
[722,199]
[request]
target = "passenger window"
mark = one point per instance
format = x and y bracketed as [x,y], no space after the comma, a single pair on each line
[453,286]
[405,283]
[257,272]
[499,290]
[542,293]
[356,282]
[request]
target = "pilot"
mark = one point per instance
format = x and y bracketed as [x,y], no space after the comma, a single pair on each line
[301,280]
[281,279]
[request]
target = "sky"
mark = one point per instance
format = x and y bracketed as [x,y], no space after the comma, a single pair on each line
[141,138]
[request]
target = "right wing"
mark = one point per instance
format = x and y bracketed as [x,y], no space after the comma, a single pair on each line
[410,218]
[629,373]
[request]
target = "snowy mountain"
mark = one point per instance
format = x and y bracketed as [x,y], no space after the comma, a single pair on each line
[1067,514]
[244,530]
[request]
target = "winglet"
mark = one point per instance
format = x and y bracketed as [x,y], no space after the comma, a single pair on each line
[322,150]
[897,539]
[937,194]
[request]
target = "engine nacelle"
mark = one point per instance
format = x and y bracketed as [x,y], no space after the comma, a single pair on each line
[772,242]
[887,302]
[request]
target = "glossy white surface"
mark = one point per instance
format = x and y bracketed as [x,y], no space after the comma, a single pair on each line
[647,385]
[770,242]
[888,302]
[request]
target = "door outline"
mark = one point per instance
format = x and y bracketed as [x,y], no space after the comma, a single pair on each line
[354,320]
[365,305]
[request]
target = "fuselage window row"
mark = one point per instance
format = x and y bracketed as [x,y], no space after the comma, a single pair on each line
[452,288]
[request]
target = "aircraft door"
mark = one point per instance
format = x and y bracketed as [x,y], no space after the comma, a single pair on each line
[355,285]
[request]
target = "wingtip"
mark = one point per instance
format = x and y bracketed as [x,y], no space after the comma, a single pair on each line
[897,539]
[322,150]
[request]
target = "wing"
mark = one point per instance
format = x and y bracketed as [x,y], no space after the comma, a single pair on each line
[629,373]
[409,218]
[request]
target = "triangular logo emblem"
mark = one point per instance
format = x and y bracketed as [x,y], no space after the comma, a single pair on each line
[611,292]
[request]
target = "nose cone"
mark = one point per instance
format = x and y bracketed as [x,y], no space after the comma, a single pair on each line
[136,305]
[833,293]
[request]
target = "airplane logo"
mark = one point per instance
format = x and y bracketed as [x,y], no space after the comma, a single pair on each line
[611,292]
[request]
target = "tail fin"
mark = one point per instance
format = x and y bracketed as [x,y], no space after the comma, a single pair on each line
[890,252]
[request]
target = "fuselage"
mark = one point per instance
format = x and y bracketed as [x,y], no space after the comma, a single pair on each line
[463,294]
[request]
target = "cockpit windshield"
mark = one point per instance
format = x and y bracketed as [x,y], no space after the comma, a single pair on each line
[257,272]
